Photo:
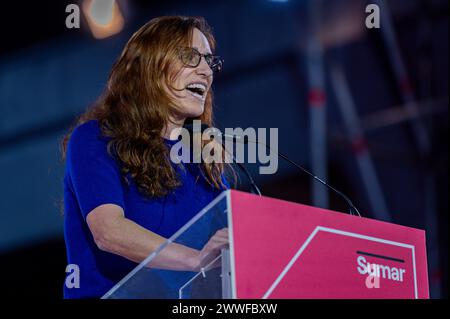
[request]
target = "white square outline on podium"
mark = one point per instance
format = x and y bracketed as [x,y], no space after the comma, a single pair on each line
[344,233]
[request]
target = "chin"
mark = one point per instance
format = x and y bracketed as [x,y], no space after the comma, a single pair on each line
[194,110]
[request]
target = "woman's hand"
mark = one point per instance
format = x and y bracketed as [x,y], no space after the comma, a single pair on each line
[212,249]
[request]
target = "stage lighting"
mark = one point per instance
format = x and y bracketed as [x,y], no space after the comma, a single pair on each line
[104,17]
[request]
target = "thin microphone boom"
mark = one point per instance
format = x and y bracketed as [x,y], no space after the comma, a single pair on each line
[244,139]
[349,202]
[250,178]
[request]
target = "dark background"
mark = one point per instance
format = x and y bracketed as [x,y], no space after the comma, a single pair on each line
[49,74]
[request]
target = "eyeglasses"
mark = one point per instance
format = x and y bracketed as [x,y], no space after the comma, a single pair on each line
[191,57]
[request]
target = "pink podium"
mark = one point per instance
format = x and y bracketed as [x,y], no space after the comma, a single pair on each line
[285,250]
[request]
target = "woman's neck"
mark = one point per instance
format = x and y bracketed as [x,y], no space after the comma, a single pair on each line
[172,129]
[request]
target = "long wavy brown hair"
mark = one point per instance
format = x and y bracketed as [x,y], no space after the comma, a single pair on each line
[134,107]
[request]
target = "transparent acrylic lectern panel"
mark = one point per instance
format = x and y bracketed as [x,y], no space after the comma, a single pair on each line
[148,283]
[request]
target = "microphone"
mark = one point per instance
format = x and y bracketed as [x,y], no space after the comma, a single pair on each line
[194,129]
[244,139]
[352,208]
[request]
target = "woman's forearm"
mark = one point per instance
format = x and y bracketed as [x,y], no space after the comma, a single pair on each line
[134,242]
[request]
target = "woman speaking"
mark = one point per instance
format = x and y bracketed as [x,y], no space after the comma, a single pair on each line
[122,195]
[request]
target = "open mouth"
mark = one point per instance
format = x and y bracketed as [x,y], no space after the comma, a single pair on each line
[197,89]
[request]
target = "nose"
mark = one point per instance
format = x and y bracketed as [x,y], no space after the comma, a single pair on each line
[203,68]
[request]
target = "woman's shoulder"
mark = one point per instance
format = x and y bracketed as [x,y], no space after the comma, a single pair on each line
[87,133]
[88,128]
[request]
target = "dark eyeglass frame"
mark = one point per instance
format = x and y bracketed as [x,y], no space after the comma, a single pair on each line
[214,62]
